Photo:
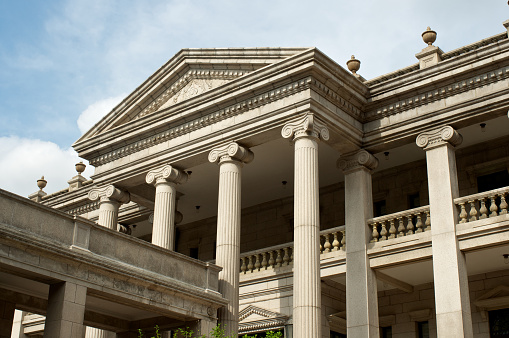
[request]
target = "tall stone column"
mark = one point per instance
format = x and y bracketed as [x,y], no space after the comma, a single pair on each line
[230,157]
[66,310]
[361,287]
[165,179]
[92,332]
[7,310]
[110,198]
[307,320]
[452,301]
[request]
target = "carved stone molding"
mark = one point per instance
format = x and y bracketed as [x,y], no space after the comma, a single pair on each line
[108,193]
[166,173]
[361,159]
[204,121]
[307,126]
[437,137]
[83,208]
[231,151]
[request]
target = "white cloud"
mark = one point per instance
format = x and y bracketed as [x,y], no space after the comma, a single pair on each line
[90,116]
[24,161]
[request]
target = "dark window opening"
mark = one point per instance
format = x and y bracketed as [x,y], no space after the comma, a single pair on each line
[337,335]
[414,201]
[386,332]
[423,329]
[499,323]
[379,208]
[193,253]
[492,181]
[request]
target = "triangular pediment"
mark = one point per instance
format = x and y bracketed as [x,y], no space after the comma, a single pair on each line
[189,74]
[496,298]
[254,318]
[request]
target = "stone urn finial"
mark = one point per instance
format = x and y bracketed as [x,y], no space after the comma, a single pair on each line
[353,65]
[429,36]
[80,167]
[41,183]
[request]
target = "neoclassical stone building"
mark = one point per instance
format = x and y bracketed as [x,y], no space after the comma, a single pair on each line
[272,189]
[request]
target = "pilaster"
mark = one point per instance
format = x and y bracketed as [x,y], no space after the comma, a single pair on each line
[165,180]
[231,158]
[110,198]
[306,281]
[361,284]
[449,266]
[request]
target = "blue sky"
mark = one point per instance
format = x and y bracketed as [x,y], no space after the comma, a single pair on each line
[64,64]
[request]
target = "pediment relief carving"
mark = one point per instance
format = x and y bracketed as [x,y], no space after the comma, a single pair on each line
[193,83]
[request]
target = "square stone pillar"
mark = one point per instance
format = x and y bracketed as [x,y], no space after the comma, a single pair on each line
[452,301]
[6,318]
[361,285]
[66,309]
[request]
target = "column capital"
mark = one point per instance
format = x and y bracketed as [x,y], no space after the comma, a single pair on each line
[307,126]
[166,173]
[437,137]
[109,193]
[360,159]
[231,151]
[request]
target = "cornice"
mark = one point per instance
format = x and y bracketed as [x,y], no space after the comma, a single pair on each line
[332,96]
[204,121]
[440,93]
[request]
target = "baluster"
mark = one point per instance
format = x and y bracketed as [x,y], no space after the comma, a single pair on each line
[271,259]
[321,247]
[264,261]
[428,222]
[483,210]
[279,259]
[401,227]
[503,205]
[250,263]
[392,229]
[418,224]
[383,233]
[343,239]
[286,258]
[493,207]
[375,234]
[257,264]
[463,214]
[326,245]
[243,266]
[409,225]
[335,242]
[473,211]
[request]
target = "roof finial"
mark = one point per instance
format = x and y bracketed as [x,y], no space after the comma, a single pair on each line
[41,183]
[353,64]
[80,167]
[429,36]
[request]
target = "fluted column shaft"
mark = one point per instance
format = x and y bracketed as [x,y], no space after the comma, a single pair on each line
[93,332]
[307,314]
[230,158]
[452,301]
[361,284]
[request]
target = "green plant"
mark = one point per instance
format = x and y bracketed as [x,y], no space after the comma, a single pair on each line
[217,332]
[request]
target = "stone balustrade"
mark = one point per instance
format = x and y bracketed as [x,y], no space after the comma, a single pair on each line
[400,224]
[482,205]
[332,239]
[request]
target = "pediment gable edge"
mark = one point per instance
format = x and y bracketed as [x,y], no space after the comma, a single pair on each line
[251,309]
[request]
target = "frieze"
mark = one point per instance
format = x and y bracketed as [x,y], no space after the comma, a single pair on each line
[204,121]
[332,96]
[439,93]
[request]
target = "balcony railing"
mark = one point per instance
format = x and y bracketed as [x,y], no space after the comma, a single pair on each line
[400,224]
[482,205]
[333,239]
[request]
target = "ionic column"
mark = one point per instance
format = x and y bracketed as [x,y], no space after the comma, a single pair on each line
[452,303]
[361,287]
[92,332]
[230,158]
[110,198]
[165,180]
[306,274]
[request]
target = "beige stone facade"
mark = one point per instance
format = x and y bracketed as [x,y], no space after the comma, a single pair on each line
[332,205]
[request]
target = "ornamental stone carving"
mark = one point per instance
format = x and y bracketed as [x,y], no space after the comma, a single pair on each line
[108,193]
[307,126]
[361,159]
[166,174]
[231,151]
[437,137]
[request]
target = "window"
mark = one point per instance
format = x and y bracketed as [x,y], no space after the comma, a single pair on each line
[414,201]
[423,329]
[386,332]
[336,335]
[492,181]
[499,323]
[193,253]
[379,208]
